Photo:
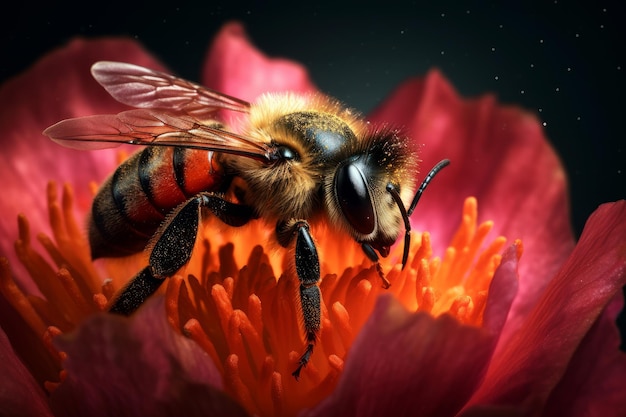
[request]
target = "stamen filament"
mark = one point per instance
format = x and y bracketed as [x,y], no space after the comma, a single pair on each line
[17,299]
[193,330]
[341,321]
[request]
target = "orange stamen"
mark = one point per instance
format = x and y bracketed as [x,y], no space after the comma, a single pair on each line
[12,293]
[65,276]
[247,317]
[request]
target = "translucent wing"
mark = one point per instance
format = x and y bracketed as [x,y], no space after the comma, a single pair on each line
[145,88]
[153,128]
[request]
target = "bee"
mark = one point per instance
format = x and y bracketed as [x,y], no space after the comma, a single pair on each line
[298,160]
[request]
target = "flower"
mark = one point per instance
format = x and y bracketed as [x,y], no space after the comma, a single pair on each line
[537,338]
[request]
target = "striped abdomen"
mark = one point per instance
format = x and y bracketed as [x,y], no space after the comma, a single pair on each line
[132,203]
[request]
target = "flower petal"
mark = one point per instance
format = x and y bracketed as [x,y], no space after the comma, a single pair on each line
[235,67]
[408,364]
[139,366]
[498,154]
[20,395]
[502,291]
[58,86]
[534,360]
[596,377]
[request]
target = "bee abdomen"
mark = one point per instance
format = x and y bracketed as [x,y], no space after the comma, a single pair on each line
[134,201]
[122,217]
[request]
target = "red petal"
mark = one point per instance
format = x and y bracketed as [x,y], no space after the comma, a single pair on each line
[59,86]
[596,377]
[20,395]
[498,154]
[237,68]
[535,359]
[138,367]
[407,364]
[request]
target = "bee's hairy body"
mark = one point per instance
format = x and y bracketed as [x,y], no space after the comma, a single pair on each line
[322,135]
[298,160]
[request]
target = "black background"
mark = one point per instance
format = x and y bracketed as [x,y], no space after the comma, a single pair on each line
[563,62]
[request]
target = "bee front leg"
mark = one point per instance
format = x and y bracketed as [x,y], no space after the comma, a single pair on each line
[308,271]
[173,246]
[371,254]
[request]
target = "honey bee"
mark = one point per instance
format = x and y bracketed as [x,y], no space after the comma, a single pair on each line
[299,159]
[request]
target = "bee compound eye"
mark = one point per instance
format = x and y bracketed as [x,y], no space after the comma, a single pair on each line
[286,153]
[353,195]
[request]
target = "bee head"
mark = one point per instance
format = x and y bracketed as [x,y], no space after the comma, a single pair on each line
[365,202]
[368,188]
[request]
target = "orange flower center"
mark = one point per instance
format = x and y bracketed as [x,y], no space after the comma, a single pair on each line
[238,300]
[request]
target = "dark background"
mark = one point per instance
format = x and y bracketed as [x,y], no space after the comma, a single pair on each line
[563,62]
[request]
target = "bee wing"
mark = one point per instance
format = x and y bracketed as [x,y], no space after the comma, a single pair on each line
[145,88]
[152,128]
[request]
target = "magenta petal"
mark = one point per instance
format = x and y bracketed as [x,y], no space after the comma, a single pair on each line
[58,86]
[138,367]
[526,369]
[498,154]
[409,364]
[20,395]
[502,292]
[237,68]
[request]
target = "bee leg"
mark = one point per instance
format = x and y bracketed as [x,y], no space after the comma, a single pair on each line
[308,271]
[142,286]
[371,254]
[173,246]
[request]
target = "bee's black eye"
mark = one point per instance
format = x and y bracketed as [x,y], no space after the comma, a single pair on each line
[284,153]
[353,196]
[287,153]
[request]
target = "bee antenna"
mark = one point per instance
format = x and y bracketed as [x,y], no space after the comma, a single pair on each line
[407,213]
[442,164]
[407,224]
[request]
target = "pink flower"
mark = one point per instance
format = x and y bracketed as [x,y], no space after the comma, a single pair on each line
[471,328]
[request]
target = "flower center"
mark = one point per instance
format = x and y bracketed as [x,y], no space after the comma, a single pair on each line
[247,317]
